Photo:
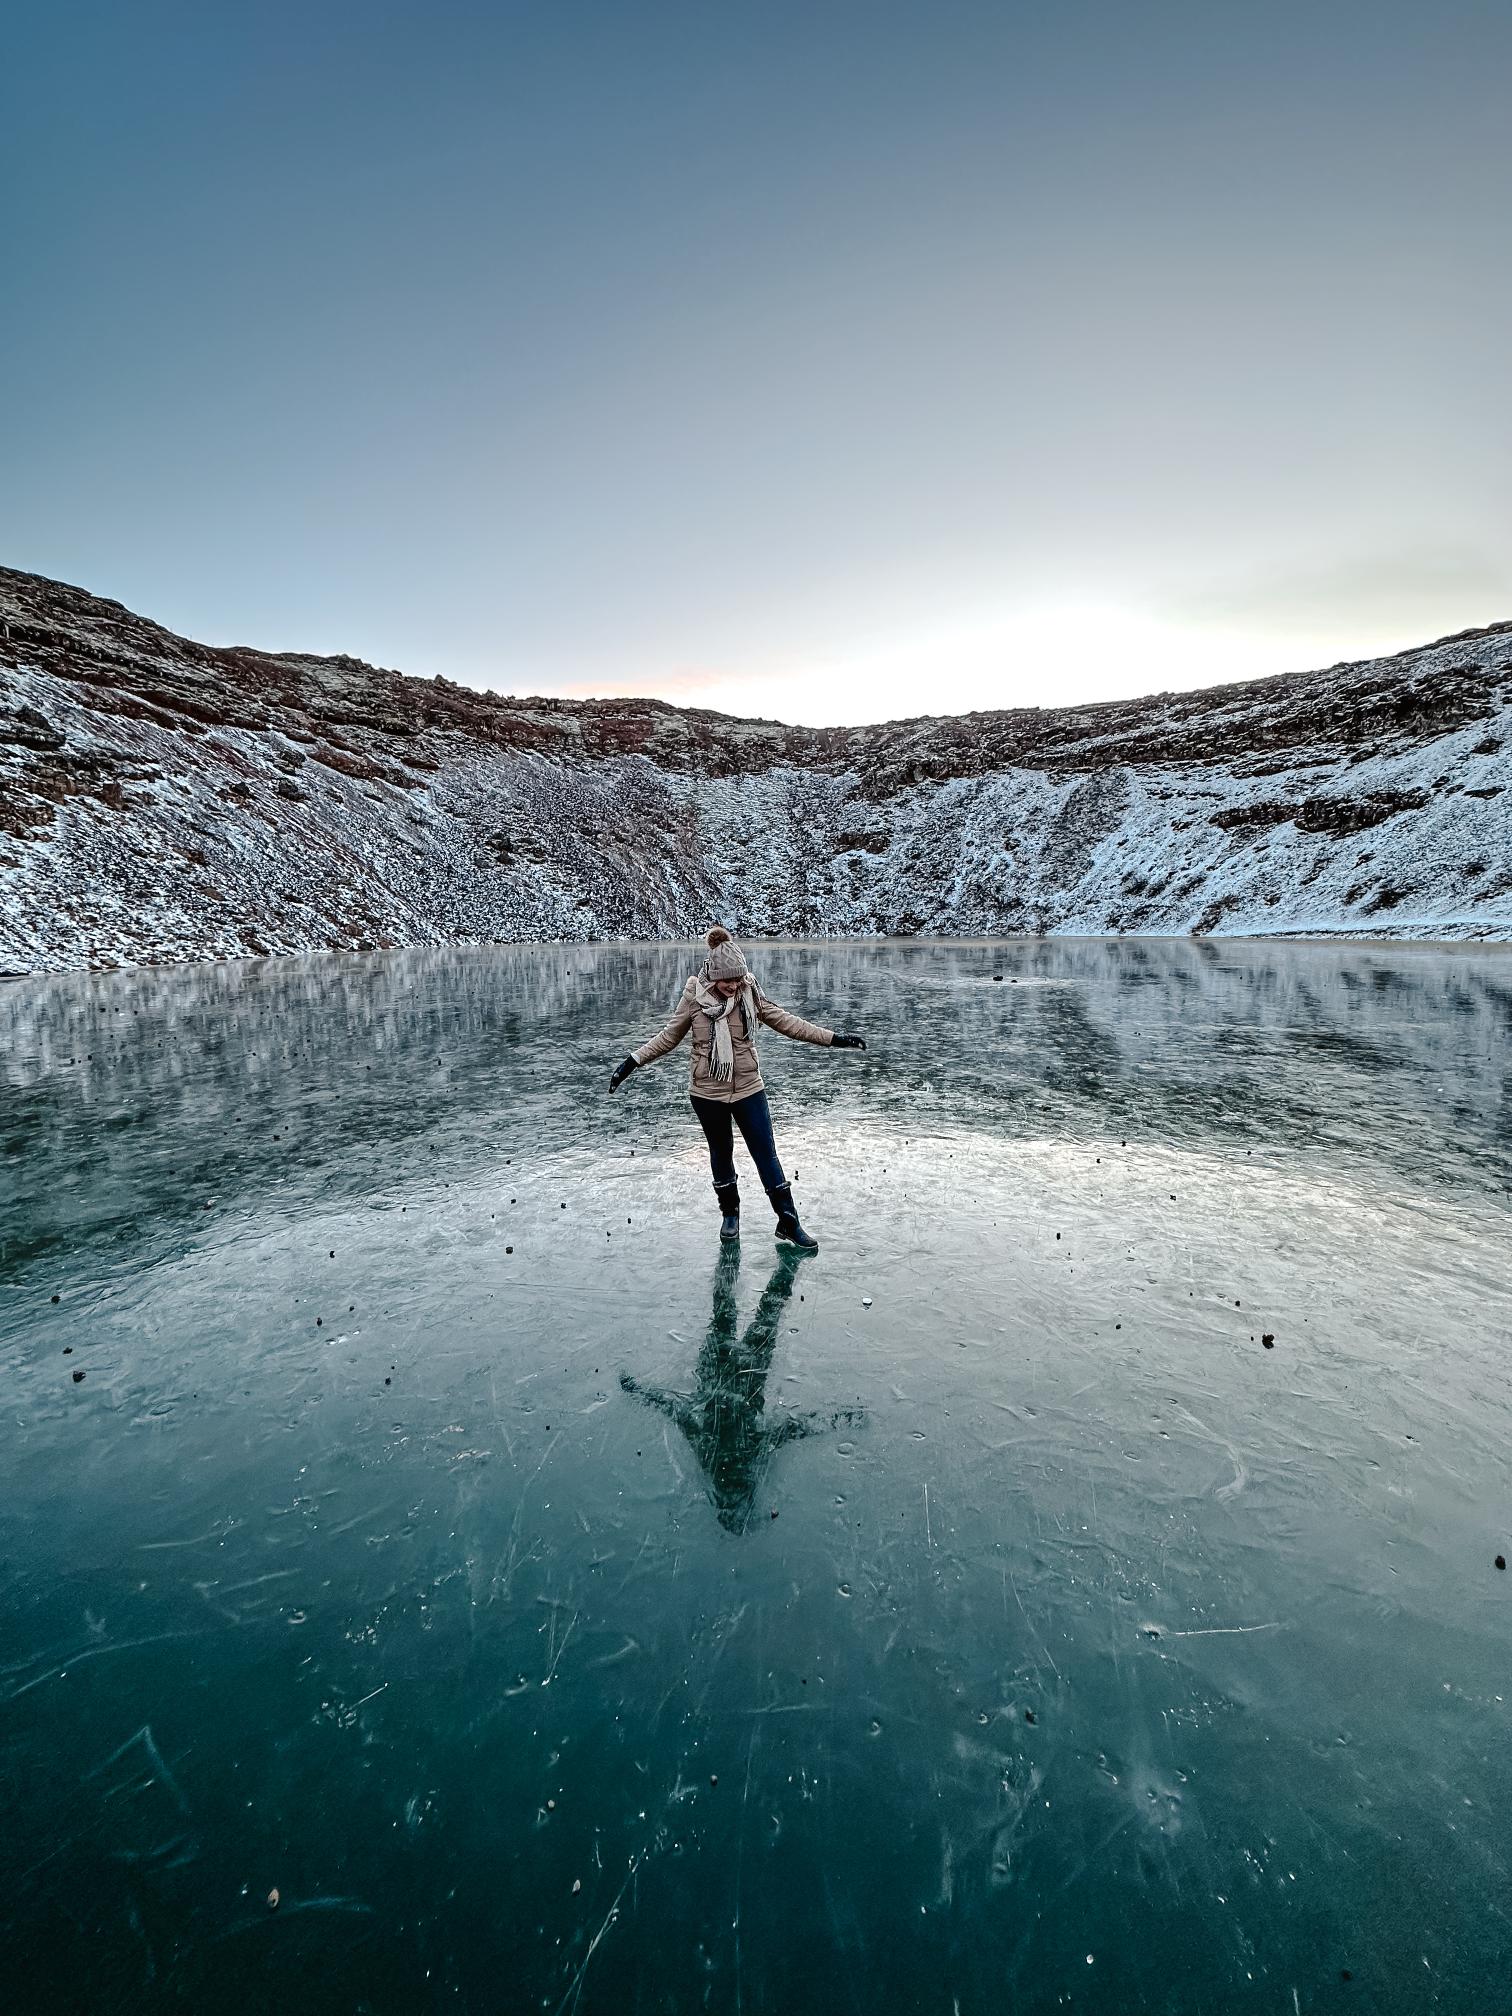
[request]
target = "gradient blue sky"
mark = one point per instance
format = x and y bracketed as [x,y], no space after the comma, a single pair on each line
[831,361]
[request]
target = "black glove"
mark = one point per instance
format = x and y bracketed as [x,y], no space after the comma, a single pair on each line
[621,1073]
[848,1043]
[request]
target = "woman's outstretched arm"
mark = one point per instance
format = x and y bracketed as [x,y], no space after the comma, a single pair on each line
[788,1024]
[665,1039]
[669,1035]
[793,1025]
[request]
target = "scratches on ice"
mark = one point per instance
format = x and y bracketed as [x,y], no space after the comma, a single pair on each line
[555,1650]
[97,1652]
[626,1650]
[677,1794]
[1033,1631]
[144,1739]
[1211,1630]
[1241,1473]
[745,1801]
[575,1988]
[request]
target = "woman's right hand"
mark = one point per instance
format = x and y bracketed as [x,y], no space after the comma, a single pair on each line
[621,1073]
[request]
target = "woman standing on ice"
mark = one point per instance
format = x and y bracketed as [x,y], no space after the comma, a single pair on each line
[721,1004]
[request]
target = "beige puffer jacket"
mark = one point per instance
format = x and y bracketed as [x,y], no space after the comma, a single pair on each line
[746,1077]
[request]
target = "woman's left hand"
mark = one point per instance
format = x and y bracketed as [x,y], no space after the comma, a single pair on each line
[847,1043]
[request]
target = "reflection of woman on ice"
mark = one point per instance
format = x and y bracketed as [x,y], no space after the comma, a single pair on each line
[721,1004]
[725,1418]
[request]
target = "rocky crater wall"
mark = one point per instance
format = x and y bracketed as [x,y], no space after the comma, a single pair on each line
[163,800]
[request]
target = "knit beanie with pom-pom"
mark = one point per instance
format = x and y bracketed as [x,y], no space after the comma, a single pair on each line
[726,961]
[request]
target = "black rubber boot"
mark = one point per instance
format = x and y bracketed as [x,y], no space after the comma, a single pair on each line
[789,1231]
[729,1203]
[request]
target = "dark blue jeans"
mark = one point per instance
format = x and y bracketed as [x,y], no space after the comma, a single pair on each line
[754,1119]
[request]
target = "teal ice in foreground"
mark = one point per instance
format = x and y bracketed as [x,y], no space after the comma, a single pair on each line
[1074,1588]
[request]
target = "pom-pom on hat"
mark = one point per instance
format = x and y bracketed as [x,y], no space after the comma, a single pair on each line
[726,961]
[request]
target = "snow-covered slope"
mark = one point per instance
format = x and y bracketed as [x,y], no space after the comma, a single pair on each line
[162,800]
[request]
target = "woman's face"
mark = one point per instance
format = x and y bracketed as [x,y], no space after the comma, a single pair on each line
[728,988]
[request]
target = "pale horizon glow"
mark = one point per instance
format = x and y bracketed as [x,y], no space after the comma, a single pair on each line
[1060,655]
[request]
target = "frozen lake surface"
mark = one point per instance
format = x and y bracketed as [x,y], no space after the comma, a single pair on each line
[1074,1587]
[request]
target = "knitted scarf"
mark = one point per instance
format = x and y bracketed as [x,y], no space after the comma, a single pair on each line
[717,1007]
